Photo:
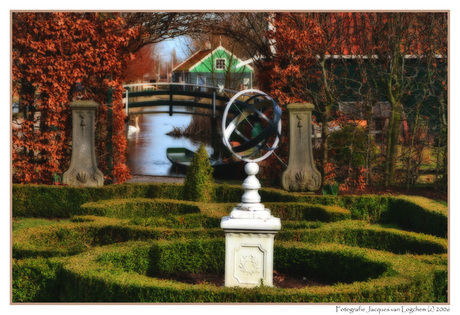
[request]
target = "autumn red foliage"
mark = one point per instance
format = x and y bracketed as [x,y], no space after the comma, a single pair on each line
[142,63]
[361,59]
[298,71]
[53,55]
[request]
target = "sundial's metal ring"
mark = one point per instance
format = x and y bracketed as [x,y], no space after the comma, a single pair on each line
[260,141]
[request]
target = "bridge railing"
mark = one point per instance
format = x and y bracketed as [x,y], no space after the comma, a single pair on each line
[171,89]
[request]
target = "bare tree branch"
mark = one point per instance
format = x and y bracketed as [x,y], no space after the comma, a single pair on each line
[159,26]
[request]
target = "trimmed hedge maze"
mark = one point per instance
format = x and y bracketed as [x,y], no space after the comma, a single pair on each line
[135,242]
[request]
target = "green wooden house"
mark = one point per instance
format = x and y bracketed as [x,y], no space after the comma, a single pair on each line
[214,67]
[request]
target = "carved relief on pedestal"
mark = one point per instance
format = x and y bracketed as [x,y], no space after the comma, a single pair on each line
[300,123]
[302,180]
[83,117]
[82,177]
[249,264]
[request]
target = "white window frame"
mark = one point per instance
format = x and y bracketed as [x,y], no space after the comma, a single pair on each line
[225,63]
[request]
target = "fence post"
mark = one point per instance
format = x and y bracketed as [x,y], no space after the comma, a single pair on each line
[127,101]
[214,103]
[170,101]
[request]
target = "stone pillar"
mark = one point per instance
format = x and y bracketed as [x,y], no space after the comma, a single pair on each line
[301,174]
[83,170]
[249,236]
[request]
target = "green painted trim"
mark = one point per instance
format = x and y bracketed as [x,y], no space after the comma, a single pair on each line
[207,65]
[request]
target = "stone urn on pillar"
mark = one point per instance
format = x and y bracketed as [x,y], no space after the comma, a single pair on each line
[250,228]
[83,170]
[301,174]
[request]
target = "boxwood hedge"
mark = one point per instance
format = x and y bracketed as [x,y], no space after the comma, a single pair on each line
[307,212]
[35,280]
[126,273]
[418,214]
[65,201]
[138,208]
[415,213]
[101,253]
[356,233]
[72,238]
[89,231]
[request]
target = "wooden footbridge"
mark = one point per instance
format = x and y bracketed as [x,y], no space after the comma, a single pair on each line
[176,96]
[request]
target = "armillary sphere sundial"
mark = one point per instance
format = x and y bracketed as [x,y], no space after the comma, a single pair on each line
[254,110]
[251,128]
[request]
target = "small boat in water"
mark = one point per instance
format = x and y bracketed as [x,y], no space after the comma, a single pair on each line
[182,157]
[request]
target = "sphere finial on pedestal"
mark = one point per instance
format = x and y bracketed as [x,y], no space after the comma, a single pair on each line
[251,168]
[251,198]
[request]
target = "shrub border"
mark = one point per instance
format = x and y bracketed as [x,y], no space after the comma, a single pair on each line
[407,280]
[353,233]
[415,213]
[418,214]
[139,207]
[96,230]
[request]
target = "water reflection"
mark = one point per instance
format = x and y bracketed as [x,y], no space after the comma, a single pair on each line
[147,147]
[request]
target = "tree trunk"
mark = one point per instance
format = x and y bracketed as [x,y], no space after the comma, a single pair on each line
[369,144]
[411,147]
[392,144]
[351,148]
[324,139]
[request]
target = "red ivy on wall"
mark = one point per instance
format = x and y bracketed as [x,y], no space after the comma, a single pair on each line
[53,55]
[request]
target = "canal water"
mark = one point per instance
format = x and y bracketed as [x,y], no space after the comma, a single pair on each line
[147,147]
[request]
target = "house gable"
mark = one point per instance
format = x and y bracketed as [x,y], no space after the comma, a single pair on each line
[187,64]
[204,61]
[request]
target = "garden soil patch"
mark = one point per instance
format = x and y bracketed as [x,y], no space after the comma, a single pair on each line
[279,280]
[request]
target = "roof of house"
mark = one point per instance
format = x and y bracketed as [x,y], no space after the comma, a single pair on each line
[198,57]
[194,59]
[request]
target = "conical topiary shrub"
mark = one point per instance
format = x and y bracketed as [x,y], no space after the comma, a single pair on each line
[199,183]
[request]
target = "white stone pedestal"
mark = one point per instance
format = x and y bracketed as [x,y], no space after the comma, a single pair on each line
[249,236]
[249,251]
